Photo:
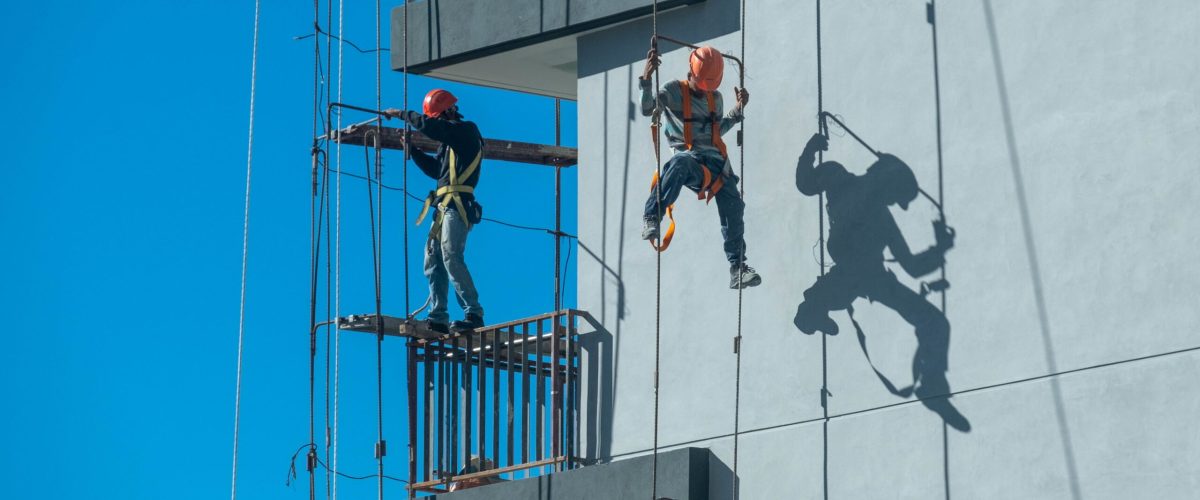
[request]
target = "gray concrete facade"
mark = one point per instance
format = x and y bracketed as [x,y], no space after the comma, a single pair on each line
[1069,172]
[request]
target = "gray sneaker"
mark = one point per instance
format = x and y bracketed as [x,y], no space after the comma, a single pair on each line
[743,277]
[649,229]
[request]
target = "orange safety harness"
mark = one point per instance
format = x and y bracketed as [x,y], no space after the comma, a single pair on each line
[712,184]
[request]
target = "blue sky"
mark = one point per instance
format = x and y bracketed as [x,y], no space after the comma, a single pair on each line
[125,148]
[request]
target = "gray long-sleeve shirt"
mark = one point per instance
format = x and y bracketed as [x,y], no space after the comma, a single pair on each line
[671,99]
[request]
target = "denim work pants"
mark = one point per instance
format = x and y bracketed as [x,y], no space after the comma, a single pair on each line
[444,264]
[683,170]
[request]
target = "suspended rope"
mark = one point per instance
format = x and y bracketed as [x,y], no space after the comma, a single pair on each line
[377,250]
[329,318]
[737,341]
[654,120]
[237,398]
[337,287]
[411,368]
[314,244]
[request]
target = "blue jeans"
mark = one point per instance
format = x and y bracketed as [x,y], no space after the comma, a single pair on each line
[444,264]
[683,170]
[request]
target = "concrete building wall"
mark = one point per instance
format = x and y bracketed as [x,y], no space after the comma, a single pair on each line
[1070,159]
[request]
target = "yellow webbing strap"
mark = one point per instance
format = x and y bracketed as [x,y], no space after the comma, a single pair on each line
[450,192]
[667,236]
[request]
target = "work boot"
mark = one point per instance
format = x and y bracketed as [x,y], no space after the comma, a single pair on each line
[810,321]
[469,324]
[743,276]
[649,229]
[441,328]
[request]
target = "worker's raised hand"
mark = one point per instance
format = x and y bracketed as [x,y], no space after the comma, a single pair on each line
[743,97]
[392,113]
[652,62]
[816,143]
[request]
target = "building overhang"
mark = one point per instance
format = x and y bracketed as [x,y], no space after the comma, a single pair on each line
[522,45]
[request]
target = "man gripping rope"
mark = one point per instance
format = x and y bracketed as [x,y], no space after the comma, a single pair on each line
[694,125]
[456,167]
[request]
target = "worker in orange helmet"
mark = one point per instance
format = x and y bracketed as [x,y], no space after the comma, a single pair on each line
[694,124]
[456,168]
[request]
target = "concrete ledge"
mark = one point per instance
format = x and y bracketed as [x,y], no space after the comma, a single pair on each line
[683,474]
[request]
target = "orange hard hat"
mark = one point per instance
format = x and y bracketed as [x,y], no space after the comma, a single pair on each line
[708,66]
[437,101]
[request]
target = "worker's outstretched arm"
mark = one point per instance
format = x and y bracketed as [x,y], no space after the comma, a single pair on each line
[807,179]
[927,261]
[737,114]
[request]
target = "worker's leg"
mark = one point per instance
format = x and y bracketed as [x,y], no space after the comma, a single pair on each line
[933,344]
[834,291]
[731,209]
[681,170]
[454,244]
[435,272]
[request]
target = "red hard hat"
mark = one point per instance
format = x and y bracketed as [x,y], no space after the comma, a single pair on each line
[707,66]
[437,101]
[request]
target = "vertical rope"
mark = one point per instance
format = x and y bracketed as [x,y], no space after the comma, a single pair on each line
[737,341]
[381,445]
[411,359]
[328,262]
[315,249]
[657,259]
[337,307]
[237,398]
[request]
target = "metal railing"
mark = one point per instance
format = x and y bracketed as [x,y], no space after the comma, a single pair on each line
[505,395]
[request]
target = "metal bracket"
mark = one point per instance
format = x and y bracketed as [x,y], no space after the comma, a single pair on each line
[737,344]
[739,138]
[311,460]
[929,13]
[380,449]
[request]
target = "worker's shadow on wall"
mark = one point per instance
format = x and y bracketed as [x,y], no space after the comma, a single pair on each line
[861,227]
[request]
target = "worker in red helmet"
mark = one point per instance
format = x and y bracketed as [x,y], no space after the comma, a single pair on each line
[456,167]
[694,124]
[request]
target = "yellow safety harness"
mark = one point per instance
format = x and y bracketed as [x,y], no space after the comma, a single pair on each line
[712,184]
[451,193]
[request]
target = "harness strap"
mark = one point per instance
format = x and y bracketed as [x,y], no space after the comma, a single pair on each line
[450,193]
[670,233]
[686,93]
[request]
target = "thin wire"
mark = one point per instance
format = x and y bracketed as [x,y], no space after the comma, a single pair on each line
[314,243]
[339,38]
[237,398]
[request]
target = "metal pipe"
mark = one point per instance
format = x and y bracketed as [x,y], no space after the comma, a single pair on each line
[525,395]
[455,398]
[511,375]
[467,389]
[541,397]
[430,395]
[482,381]
[496,397]
[555,390]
